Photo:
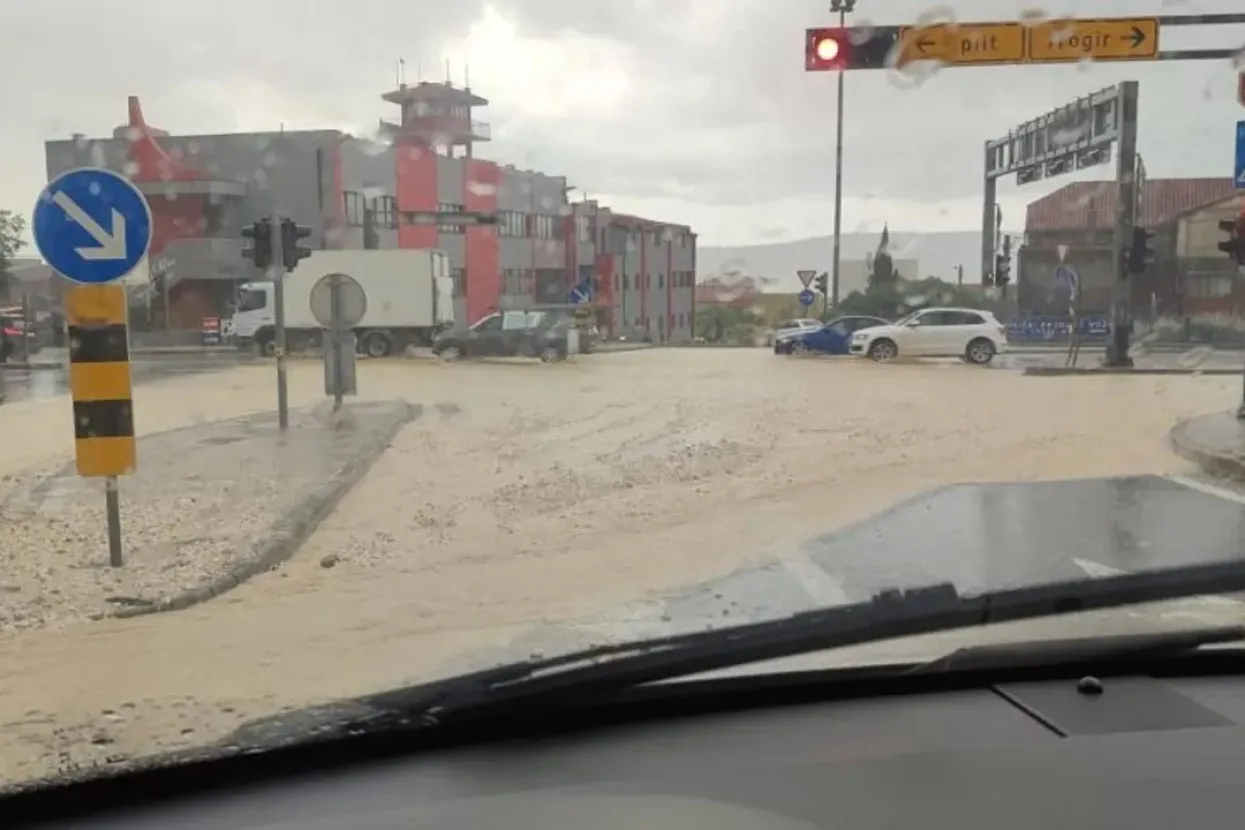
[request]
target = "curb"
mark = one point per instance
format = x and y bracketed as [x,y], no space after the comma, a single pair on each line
[290,531]
[194,351]
[1054,371]
[30,367]
[1213,462]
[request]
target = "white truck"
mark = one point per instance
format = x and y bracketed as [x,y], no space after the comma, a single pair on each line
[409,300]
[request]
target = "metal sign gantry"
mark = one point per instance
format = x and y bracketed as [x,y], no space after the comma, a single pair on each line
[1006,42]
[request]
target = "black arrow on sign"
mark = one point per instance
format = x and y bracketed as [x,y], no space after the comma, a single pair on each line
[1138,37]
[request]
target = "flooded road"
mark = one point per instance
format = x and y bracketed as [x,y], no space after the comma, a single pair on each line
[34,384]
[531,496]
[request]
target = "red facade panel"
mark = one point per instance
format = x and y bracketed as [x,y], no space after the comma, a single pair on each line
[415,172]
[481,242]
[336,222]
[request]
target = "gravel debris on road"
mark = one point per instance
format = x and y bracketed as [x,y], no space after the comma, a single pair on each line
[201,501]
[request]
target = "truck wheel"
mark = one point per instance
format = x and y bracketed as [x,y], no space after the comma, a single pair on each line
[550,354]
[377,344]
[450,354]
[266,346]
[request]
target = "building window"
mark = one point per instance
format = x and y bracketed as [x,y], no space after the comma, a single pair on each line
[1208,286]
[352,206]
[543,226]
[517,281]
[386,212]
[583,228]
[511,223]
[449,208]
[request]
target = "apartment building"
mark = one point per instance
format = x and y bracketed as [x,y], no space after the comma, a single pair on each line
[376,193]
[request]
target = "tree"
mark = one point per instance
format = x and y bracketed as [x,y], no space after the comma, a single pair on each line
[881,265]
[902,297]
[721,324]
[12,226]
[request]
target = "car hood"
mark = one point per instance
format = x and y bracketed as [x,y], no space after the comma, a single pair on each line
[969,535]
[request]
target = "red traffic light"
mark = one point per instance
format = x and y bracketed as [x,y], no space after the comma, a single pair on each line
[824,49]
[858,47]
[827,49]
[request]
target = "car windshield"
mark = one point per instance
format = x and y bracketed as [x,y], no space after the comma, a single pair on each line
[256,459]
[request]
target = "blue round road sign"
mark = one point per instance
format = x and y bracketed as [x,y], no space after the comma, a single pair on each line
[92,225]
[807,298]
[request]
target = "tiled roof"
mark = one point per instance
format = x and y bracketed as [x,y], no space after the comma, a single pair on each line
[1091,205]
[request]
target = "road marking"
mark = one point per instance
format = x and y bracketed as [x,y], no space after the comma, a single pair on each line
[1209,489]
[821,586]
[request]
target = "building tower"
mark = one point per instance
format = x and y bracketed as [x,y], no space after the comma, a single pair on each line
[437,116]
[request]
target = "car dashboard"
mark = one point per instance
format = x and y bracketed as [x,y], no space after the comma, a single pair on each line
[1135,752]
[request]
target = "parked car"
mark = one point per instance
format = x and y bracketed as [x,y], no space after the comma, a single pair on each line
[835,337]
[534,332]
[789,327]
[971,334]
[12,332]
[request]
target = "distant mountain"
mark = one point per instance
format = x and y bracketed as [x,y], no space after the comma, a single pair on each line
[938,254]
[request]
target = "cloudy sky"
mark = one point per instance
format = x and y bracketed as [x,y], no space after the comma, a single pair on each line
[695,111]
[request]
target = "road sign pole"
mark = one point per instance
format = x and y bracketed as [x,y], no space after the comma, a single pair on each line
[93,227]
[102,390]
[338,330]
[1125,209]
[112,509]
[277,272]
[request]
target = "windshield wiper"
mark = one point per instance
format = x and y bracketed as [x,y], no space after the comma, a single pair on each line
[888,615]
[1112,647]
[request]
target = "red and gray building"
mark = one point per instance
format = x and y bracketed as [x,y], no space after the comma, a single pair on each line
[356,193]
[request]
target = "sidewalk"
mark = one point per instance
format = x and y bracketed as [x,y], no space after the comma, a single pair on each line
[1214,442]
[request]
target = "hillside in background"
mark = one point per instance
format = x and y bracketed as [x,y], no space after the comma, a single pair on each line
[938,254]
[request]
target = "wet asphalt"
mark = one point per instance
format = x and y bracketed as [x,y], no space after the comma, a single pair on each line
[32,384]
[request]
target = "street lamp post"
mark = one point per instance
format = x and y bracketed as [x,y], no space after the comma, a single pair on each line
[843,7]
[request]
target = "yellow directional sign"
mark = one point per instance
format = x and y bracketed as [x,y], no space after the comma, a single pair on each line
[1119,39]
[963,43]
[99,380]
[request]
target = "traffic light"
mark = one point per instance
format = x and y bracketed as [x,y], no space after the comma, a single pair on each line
[822,283]
[1003,265]
[1141,251]
[257,246]
[1002,271]
[1235,244]
[855,47]
[291,248]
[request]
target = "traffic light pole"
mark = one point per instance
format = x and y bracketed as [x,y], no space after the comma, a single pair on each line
[276,271]
[842,7]
[1126,211]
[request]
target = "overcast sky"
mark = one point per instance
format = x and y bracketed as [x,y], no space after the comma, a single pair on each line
[695,111]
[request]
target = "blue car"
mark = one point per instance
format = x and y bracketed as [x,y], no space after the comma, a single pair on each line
[832,338]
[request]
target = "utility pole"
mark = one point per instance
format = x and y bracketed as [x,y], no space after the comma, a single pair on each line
[1125,215]
[959,275]
[843,7]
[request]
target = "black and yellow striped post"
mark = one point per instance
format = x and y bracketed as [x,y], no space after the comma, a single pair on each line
[102,390]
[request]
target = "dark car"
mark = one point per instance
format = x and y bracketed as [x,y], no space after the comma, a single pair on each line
[834,337]
[532,332]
